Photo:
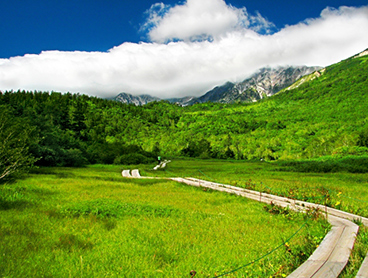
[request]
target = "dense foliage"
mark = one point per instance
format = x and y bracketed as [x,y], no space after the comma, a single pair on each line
[15,138]
[324,116]
[67,130]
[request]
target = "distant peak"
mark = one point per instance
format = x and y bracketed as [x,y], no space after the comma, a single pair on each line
[363,53]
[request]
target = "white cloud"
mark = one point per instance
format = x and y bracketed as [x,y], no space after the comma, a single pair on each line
[199,20]
[191,67]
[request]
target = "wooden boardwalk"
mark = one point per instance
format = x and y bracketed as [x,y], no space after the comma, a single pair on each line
[332,255]
[126,174]
[363,271]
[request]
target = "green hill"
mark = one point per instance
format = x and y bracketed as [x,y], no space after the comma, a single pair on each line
[321,115]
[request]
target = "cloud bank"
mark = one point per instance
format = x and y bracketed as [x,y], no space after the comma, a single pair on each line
[200,20]
[194,47]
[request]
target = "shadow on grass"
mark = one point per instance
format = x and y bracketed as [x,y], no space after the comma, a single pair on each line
[13,204]
[141,182]
[19,197]
[71,242]
[58,172]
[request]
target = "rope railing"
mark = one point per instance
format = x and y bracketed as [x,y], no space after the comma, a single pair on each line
[274,249]
[267,254]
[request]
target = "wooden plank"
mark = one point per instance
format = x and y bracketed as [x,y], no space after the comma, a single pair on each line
[307,269]
[135,173]
[313,267]
[343,248]
[126,174]
[327,245]
[363,271]
[329,270]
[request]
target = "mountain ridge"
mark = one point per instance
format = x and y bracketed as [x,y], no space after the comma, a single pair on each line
[137,100]
[263,83]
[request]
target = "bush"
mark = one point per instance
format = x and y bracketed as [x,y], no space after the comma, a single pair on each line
[133,158]
[201,148]
[119,153]
[363,138]
[74,158]
[347,150]
[351,164]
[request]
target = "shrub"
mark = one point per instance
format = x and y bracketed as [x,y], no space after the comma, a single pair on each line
[133,158]
[201,148]
[348,150]
[119,153]
[74,158]
[352,164]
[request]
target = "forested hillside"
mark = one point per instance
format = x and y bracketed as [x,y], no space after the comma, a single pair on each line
[327,115]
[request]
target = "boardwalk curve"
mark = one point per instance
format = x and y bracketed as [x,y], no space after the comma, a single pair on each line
[332,255]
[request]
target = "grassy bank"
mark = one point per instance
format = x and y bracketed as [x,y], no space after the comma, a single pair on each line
[339,189]
[91,222]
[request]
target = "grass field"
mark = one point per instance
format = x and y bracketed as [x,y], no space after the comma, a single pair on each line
[341,190]
[91,222]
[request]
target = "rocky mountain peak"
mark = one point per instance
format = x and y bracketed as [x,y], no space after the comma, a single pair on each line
[264,83]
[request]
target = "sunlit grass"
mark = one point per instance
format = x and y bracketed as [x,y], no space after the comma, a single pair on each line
[341,190]
[91,222]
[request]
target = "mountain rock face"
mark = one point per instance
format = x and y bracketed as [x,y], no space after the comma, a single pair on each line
[266,82]
[137,100]
[184,101]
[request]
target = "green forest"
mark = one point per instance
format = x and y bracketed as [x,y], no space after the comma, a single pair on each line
[324,118]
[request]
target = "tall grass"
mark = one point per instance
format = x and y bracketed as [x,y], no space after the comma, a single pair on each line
[91,222]
[340,189]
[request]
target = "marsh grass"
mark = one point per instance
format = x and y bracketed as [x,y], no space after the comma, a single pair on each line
[91,222]
[342,190]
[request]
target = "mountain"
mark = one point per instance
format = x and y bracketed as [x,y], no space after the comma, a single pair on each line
[264,83]
[137,100]
[184,101]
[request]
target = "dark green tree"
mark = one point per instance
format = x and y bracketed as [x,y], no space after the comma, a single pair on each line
[15,137]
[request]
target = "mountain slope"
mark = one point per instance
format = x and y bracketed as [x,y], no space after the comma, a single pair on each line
[264,83]
[326,114]
[137,100]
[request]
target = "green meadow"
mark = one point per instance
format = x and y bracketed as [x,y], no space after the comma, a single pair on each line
[92,222]
[324,181]
[308,142]
[341,189]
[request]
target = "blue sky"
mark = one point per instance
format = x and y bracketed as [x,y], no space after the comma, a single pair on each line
[137,42]
[31,26]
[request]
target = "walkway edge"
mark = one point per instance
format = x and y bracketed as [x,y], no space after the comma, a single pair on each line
[332,255]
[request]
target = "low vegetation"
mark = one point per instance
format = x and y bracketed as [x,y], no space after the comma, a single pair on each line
[338,189]
[91,222]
